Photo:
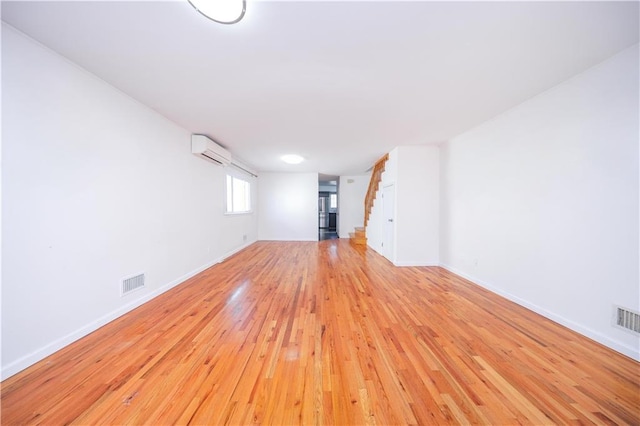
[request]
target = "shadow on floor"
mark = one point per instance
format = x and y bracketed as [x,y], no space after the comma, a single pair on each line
[327,234]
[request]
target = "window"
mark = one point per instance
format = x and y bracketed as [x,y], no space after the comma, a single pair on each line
[333,201]
[238,195]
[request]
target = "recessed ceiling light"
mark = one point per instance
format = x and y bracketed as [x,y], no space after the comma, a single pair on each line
[292,159]
[221,11]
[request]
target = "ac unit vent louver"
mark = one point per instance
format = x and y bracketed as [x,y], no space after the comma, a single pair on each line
[205,148]
[132,283]
[628,319]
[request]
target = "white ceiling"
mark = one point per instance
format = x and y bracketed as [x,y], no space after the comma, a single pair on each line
[340,83]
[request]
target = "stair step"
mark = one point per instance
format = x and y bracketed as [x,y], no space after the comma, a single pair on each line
[357,239]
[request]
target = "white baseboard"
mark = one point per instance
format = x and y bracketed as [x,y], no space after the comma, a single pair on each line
[232,252]
[39,354]
[626,350]
[289,239]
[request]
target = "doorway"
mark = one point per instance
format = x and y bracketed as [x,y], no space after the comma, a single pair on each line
[327,210]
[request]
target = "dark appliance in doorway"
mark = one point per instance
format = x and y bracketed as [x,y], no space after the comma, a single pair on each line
[323,210]
[326,214]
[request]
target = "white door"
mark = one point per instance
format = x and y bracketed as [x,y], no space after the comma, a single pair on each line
[388,225]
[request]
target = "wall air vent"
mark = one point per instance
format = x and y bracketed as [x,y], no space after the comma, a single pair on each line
[131,284]
[627,319]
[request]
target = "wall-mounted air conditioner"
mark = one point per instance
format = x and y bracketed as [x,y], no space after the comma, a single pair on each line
[204,147]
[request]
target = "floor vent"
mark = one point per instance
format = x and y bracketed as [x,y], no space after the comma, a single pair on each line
[132,283]
[628,319]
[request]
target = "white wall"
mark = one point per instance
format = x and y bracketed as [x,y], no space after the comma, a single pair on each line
[95,187]
[375,227]
[353,190]
[541,203]
[288,206]
[417,200]
[414,172]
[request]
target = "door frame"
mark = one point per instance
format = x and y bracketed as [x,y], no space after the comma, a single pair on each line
[388,223]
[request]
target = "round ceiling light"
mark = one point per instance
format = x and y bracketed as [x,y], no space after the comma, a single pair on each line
[220,11]
[292,159]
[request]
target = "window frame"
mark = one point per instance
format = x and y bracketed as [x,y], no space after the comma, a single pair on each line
[333,196]
[234,174]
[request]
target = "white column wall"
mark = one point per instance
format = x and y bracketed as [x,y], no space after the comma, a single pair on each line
[288,206]
[417,206]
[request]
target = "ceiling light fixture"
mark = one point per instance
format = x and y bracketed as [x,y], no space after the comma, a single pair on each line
[292,159]
[221,11]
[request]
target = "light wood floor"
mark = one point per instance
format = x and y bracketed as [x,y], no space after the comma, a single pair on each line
[326,333]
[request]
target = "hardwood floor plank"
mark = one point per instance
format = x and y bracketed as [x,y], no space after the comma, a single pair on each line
[327,333]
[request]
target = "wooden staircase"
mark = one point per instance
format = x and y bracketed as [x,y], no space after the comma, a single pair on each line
[359,237]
